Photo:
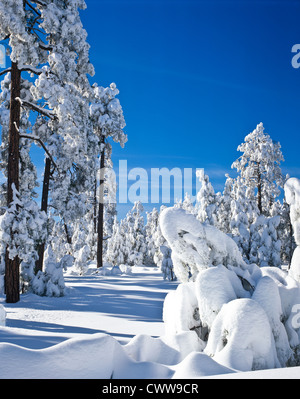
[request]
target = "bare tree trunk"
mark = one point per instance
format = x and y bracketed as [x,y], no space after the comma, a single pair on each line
[259,190]
[44,207]
[12,272]
[95,205]
[69,239]
[101,209]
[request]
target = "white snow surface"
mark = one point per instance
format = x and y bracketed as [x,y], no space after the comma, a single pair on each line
[292,194]
[107,326]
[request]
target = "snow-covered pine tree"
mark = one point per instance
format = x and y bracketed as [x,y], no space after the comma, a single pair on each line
[116,253]
[22,228]
[239,225]
[136,242]
[47,34]
[27,170]
[150,228]
[224,212]
[108,122]
[167,263]
[50,282]
[265,246]
[187,204]
[285,231]
[207,201]
[63,88]
[259,167]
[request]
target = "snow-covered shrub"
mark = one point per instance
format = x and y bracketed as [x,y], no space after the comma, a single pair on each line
[243,314]
[22,228]
[50,282]
[81,259]
[167,264]
[241,337]
[196,246]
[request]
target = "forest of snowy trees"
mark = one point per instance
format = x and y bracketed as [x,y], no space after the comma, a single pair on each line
[47,100]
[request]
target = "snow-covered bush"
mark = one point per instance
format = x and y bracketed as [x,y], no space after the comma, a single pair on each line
[50,282]
[167,264]
[244,315]
[81,259]
[196,246]
[241,337]
[22,228]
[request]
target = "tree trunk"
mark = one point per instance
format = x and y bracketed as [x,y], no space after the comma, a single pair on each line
[101,208]
[259,191]
[44,207]
[95,206]
[69,239]
[12,272]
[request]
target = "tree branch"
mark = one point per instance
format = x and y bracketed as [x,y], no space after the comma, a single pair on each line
[33,9]
[46,47]
[5,71]
[28,68]
[48,114]
[25,136]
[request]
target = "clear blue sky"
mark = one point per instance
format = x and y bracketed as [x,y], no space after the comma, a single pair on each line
[195,77]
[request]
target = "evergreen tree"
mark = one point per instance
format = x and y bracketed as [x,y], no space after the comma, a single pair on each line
[116,249]
[207,201]
[108,122]
[47,39]
[259,167]
[136,237]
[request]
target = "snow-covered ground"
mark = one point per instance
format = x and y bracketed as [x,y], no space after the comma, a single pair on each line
[106,326]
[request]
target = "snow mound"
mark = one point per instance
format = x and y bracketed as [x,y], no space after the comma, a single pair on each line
[197,365]
[246,317]
[95,357]
[241,337]
[100,356]
[163,350]
[196,246]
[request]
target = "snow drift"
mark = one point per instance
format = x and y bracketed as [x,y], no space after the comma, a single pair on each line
[100,356]
[244,315]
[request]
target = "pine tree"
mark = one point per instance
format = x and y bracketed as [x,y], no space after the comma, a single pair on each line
[46,39]
[207,201]
[135,235]
[116,249]
[259,167]
[108,122]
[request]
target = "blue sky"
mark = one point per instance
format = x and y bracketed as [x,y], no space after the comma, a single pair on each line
[195,77]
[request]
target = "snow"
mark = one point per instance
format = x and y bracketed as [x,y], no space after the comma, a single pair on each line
[110,326]
[2,316]
[244,316]
[292,194]
[241,337]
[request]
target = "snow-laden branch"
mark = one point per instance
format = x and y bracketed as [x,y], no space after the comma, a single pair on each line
[24,68]
[34,138]
[42,111]
[31,69]
[33,8]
